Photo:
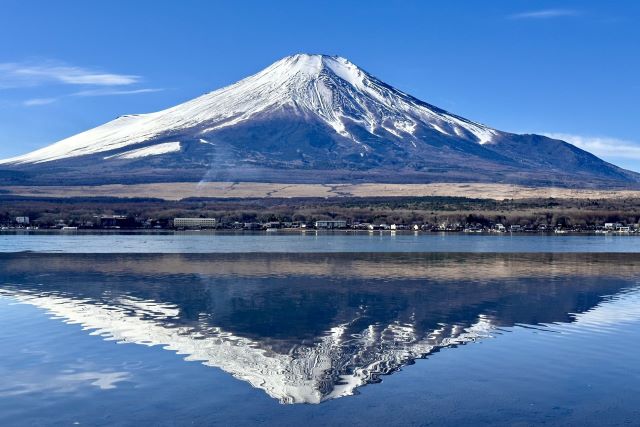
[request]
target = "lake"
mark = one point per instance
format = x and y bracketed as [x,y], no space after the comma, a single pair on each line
[310,242]
[219,329]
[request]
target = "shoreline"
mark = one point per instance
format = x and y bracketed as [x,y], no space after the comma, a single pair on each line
[296,231]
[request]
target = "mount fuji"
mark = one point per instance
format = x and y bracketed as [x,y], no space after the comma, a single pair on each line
[308,119]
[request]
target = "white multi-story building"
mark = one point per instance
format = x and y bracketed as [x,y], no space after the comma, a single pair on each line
[340,223]
[22,220]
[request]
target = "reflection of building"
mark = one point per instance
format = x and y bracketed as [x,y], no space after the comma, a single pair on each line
[195,223]
[330,224]
[252,226]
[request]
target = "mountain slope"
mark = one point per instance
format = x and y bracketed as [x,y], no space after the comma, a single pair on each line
[308,118]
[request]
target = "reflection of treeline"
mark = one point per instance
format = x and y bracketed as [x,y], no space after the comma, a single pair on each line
[407,210]
[295,295]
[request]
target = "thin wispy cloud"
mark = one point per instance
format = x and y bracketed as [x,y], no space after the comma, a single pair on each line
[54,74]
[605,147]
[35,102]
[545,14]
[39,101]
[111,92]
[16,75]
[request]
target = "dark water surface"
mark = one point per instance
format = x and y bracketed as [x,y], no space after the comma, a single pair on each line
[320,339]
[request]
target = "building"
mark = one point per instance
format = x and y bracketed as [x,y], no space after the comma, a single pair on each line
[331,224]
[24,220]
[112,221]
[195,223]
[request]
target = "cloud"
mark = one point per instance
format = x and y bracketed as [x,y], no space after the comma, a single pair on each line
[39,101]
[88,93]
[545,14]
[16,75]
[605,147]
[109,92]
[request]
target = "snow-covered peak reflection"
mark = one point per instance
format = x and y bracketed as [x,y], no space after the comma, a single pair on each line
[305,331]
[333,366]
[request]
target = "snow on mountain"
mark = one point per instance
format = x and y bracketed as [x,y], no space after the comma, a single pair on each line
[308,119]
[330,89]
[154,150]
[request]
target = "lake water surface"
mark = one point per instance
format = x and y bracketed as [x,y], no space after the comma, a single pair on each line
[311,242]
[351,331]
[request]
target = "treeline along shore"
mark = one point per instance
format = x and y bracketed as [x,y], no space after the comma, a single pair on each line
[425,213]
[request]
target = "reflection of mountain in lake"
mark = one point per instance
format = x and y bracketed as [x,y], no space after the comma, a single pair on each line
[307,328]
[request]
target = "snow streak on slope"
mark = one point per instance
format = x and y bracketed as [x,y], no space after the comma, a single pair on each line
[154,150]
[325,88]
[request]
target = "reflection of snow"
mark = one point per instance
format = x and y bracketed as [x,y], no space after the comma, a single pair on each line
[621,308]
[35,380]
[335,365]
[332,367]
[102,380]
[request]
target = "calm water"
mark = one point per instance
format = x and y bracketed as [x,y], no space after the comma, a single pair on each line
[319,338]
[311,242]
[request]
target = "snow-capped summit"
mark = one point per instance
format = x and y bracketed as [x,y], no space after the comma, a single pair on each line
[312,118]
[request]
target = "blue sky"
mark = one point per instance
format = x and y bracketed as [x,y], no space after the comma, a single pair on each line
[564,68]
